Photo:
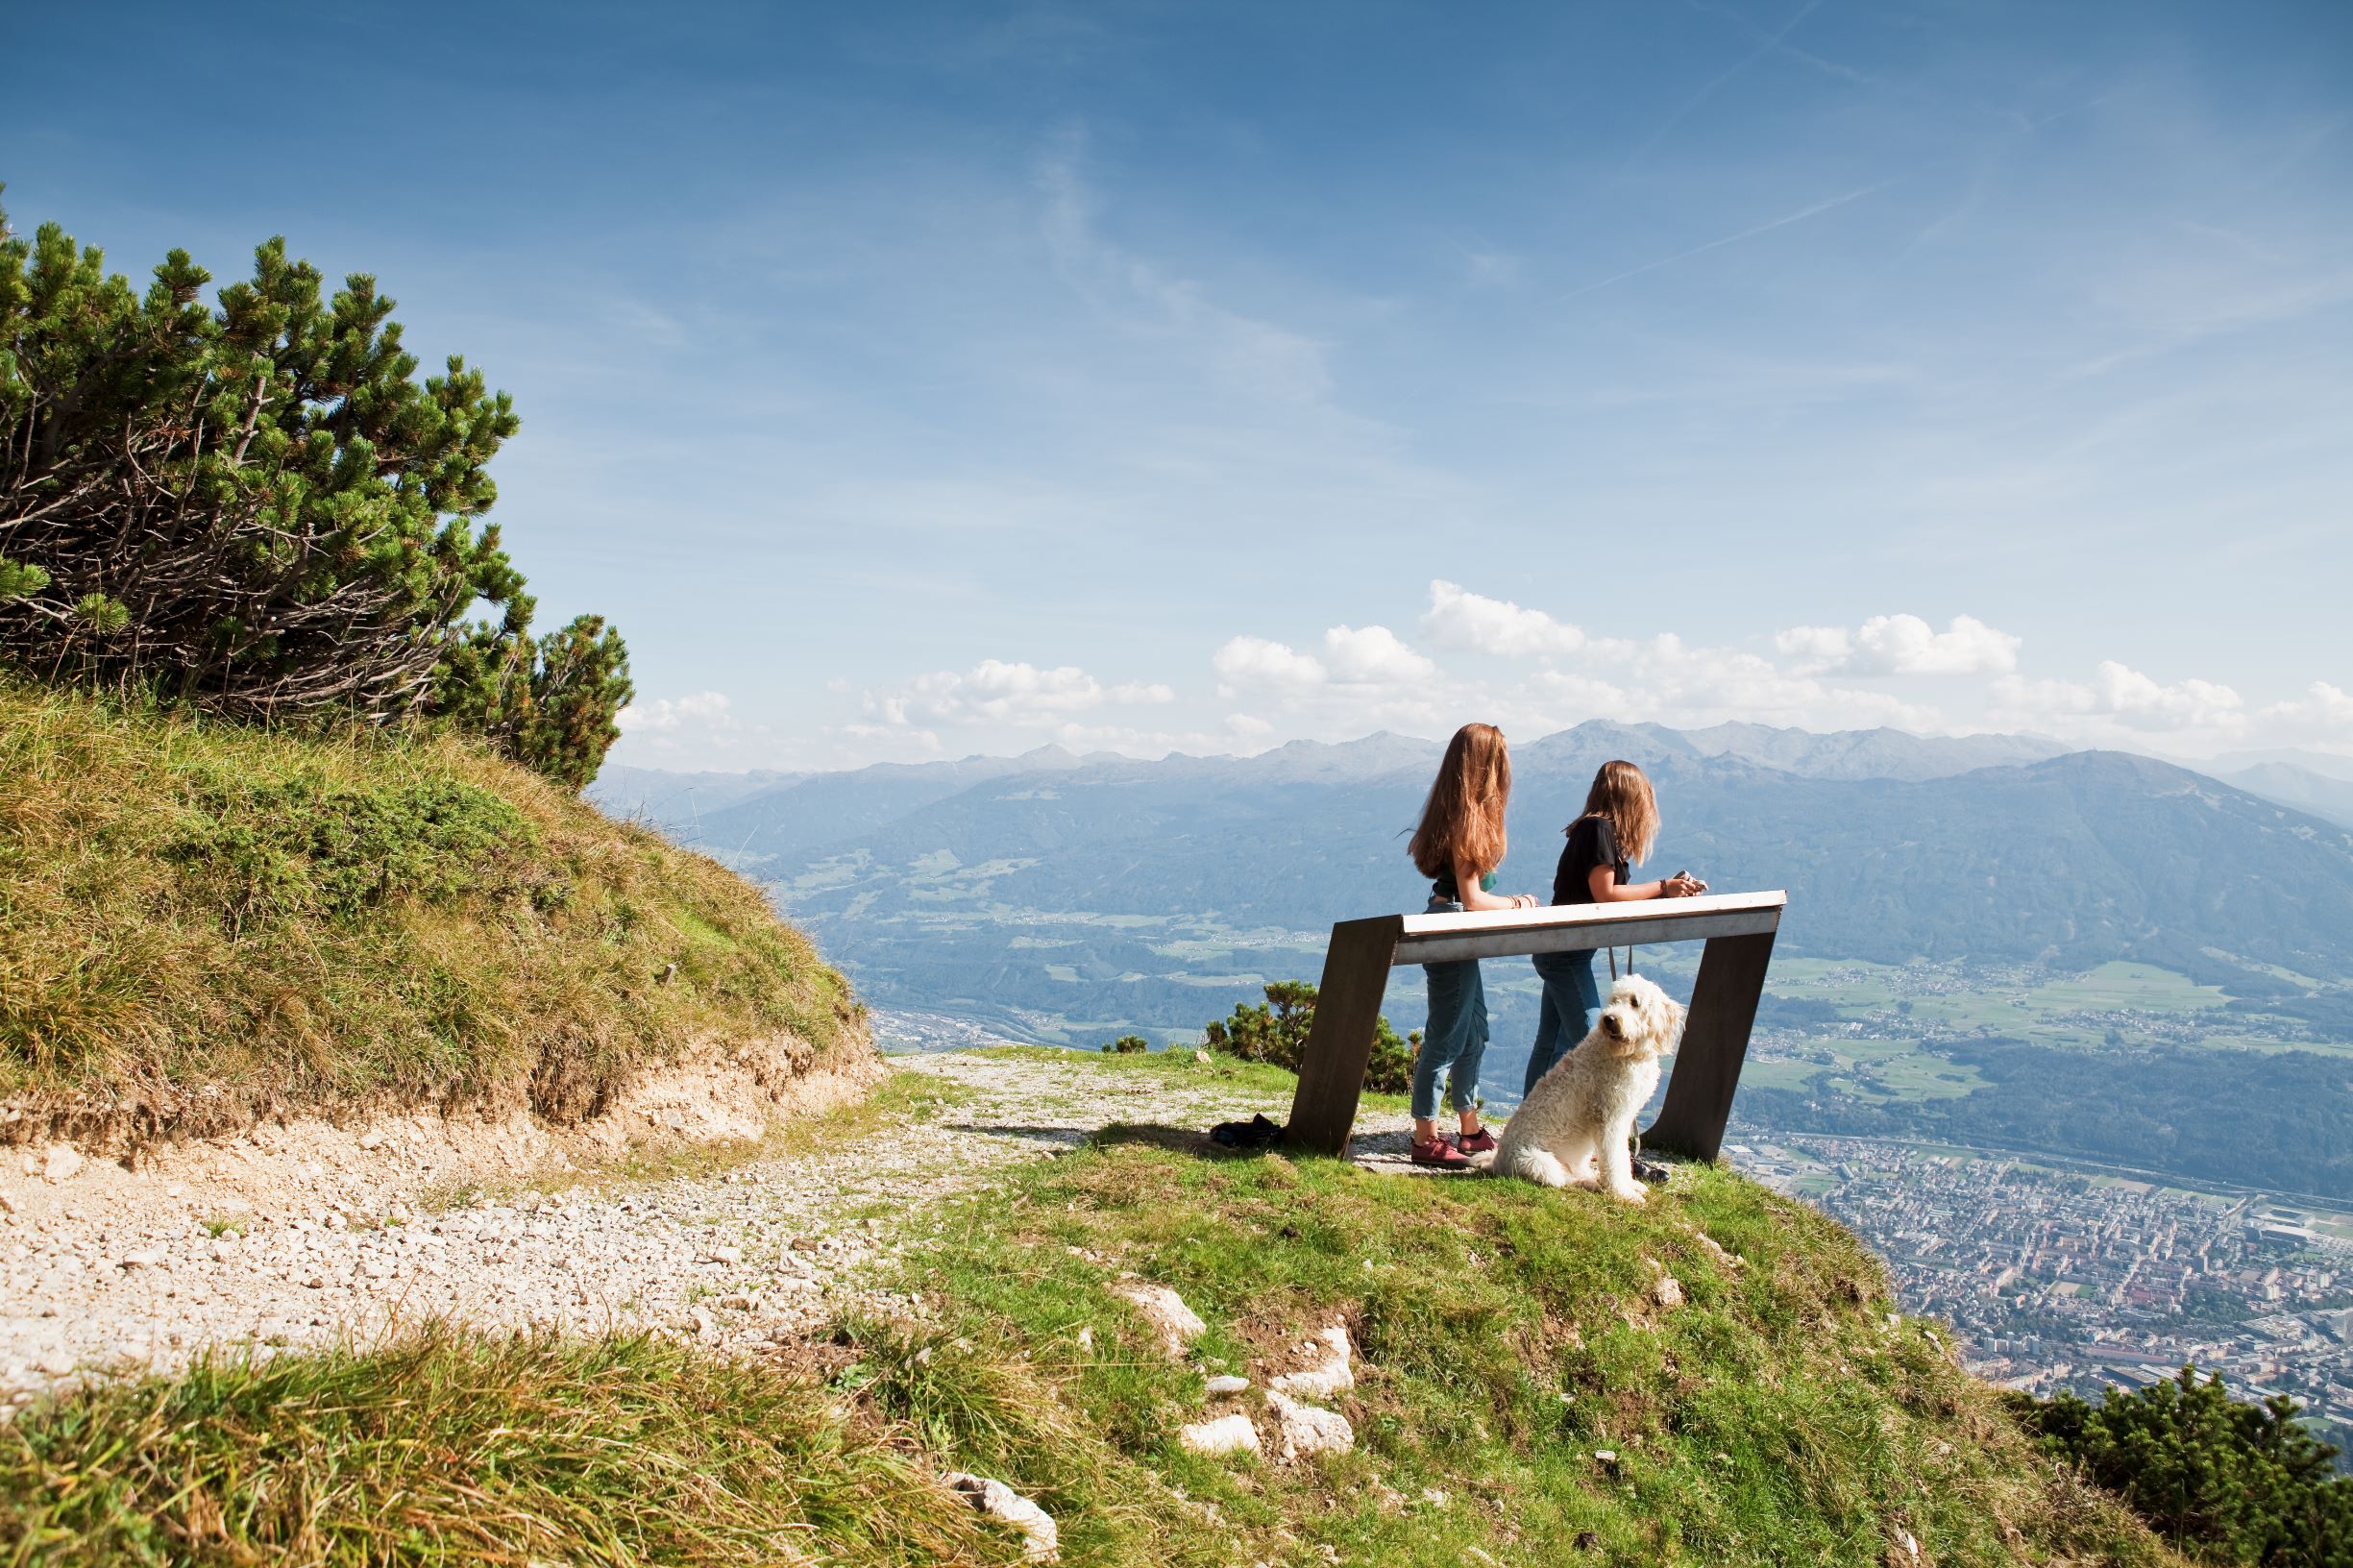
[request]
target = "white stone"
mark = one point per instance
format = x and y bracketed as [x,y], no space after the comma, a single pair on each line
[1668,1293]
[726,1255]
[1235,1434]
[1227,1385]
[1041,1541]
[1332,1374]
[1178,1324]
[61,1162]
[1308,1431]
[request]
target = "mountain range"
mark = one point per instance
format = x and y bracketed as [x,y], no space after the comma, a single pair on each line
[1893,846]
[1990,939]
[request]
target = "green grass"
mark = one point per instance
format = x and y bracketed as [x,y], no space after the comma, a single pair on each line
[455,1450]
[1507,1336]
[202,921]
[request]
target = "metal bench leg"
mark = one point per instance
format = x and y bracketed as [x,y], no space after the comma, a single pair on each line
[1341,1040]
[1723,1002]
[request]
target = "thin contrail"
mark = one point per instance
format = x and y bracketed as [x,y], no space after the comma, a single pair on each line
[1798,216]
[1708,91]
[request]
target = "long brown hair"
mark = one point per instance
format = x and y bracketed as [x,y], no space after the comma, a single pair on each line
[1622,794]
[1463,818]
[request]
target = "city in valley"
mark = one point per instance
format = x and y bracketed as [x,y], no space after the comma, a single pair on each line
[2058,1279]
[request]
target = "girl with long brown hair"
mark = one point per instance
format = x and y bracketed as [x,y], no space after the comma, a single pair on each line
[1457,846]
[1619,826]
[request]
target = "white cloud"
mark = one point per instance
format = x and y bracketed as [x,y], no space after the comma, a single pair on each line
[998,691]
[699,730]
[1458,618]
[1256,663]
[1585,697]
[1901,645]
[1676,683]
[2322,706]
[1372,657]
[699,710]
[2119,694]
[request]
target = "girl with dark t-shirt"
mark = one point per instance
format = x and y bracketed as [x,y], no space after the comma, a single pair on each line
[1457,846]
[1620,824]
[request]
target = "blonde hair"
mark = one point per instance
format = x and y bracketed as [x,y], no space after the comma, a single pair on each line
[1622,795]
[1462,822]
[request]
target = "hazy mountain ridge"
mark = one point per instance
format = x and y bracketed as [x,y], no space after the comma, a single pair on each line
[1083,898]
[2299,787]
[2069,859]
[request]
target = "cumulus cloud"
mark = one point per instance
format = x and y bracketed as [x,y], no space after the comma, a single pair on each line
[1678,683]
[1374,656]
[998,691]
[1901,645]
[1357,662]
[1458,618]
[699,730]
[2119,694]
[1258,664]
[2322,706]
[1585,697]
[668,715]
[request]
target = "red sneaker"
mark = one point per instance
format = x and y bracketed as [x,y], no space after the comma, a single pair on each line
[1482,1142]
[1440,1154]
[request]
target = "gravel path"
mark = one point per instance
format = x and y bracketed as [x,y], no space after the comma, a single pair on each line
[762,1252]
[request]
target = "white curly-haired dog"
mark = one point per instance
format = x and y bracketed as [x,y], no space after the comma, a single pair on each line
[1583,1111]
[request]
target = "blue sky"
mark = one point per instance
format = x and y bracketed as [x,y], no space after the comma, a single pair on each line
[913,380]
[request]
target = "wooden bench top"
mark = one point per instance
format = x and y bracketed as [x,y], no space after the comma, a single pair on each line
[1433,939]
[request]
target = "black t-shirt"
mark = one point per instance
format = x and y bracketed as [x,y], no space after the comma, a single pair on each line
[1592,842]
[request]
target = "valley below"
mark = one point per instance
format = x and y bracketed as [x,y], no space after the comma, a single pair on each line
[2066,1039]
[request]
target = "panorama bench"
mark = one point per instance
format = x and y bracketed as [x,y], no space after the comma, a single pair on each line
[1738,928]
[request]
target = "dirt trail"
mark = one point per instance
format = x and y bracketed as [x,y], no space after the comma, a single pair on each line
[103,1268]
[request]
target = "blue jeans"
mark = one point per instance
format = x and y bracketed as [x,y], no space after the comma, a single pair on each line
[1457,1035]
[1572,1006]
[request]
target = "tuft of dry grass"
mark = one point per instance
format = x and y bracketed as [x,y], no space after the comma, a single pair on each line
[459,1450]
[204,921]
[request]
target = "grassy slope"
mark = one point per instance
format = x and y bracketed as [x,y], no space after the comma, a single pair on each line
[1507,1335]
[200,920]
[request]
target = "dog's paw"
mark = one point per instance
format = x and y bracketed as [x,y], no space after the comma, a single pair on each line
[1537,1167]
[1629,1192]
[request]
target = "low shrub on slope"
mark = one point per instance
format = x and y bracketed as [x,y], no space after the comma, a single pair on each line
[200,920]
